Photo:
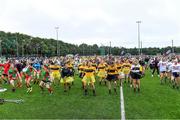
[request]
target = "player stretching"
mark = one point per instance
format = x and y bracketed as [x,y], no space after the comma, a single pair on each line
[66,77]
[13,75]
[136,73]
[36,75]
[28,72]
[101,72]
[89,78]
[162,68]
[175,68]
[112,74]
[45,82]
[6,67]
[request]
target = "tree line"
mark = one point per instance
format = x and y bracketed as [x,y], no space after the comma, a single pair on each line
[17,44]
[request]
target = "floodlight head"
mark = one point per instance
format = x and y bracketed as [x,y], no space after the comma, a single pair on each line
[138,21]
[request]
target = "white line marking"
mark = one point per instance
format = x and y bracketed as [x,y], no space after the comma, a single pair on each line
[122,104]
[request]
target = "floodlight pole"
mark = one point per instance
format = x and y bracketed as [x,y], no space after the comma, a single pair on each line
[23,47]
[83,49]
[110,48]
[139,22]
[17,52]
[57,47]
[172,46]
[1,47]
[141,47]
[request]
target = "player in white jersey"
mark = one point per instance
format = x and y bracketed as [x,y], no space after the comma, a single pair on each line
[169,64]
[175,69]
[162,69]
[136,73]
[151,65]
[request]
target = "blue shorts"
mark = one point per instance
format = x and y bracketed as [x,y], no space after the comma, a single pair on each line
[175,74]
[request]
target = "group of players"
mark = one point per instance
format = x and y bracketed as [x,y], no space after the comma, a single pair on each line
[110,70]
[167,69]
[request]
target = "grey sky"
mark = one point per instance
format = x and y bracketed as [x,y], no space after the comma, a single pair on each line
[95,21]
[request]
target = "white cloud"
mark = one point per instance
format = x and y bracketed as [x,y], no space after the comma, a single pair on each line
[95,21]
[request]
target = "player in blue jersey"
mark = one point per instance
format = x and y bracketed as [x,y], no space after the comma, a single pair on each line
[37,66]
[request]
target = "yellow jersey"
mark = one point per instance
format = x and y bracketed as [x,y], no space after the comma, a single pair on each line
[101,67]
[89,71]
[55,68]
[112,70]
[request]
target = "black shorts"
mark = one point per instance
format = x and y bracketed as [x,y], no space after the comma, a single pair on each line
[163,71]
[5,75]
[111,77]
[81,75]
[151,66]
[46,81]
[135,75]
[175,74]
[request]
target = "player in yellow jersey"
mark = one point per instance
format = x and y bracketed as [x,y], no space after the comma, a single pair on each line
[119,68]
[89,78]
[55,73]
[81,71]
[101,68]
[126,70]
[65,77]
[71,76]
[112,74]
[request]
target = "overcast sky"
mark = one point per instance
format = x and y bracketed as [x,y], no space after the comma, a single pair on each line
[95,21]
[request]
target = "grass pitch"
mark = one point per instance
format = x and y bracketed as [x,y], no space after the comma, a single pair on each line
[60,105]
[155,101]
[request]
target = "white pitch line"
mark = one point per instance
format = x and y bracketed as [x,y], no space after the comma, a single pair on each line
[122,104]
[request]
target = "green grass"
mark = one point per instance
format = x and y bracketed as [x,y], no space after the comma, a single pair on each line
[61,105]
[155,101]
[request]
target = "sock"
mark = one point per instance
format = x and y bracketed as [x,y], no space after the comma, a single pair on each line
[138,89]
[42,89]
[105,82]
[109,91]
[13,89]
[94,92]
[115,91]
[99,82]
[69,87]
[50,90]
[85,92]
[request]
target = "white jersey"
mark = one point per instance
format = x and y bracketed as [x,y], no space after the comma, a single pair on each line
[175,68]
[162,66]
[169,64]
[136,68]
